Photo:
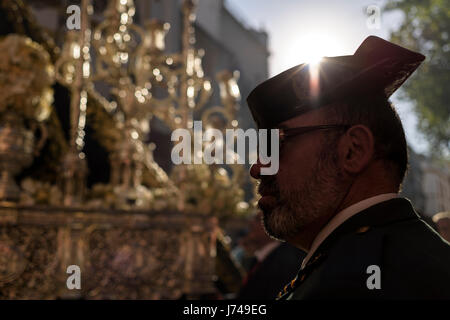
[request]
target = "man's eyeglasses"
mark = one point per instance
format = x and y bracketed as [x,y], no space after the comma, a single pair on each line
[291,132]
[284,134]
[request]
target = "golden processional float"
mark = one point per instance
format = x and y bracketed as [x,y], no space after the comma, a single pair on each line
[145,234]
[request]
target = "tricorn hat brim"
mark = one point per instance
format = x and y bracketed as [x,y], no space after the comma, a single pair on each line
[377,66]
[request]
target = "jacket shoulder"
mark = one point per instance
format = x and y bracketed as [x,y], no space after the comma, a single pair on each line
[411,258]
[416,260]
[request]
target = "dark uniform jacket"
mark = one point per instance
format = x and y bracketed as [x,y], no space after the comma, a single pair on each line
[267,277]
[413,260]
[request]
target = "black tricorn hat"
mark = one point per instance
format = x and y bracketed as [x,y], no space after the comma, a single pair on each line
[377,66]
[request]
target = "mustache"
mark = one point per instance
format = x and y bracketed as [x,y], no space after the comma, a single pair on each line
[268,186]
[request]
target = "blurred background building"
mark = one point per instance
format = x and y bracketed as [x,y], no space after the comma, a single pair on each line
[427,184]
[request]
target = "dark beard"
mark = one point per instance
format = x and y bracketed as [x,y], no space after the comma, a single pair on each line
[298,206]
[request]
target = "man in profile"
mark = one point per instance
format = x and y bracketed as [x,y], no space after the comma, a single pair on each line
[342,160]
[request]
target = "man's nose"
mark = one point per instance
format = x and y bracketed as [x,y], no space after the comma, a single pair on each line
[255,170]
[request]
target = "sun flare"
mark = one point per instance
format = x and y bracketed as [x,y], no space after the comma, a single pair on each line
[312,47]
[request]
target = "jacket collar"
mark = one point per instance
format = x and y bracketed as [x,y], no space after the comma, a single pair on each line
[383,213]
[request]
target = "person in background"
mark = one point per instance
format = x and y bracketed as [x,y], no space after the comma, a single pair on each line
[272,263]
[442,221]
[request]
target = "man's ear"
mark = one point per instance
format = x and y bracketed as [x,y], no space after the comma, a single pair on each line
[356,149]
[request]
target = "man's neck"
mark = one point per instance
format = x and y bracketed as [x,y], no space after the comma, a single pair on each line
[341,217]
[364,193]
[305,238]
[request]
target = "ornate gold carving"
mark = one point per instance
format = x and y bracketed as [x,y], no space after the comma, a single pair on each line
[134,255]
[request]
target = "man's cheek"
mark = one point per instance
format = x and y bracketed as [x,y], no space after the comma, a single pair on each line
[288,181]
